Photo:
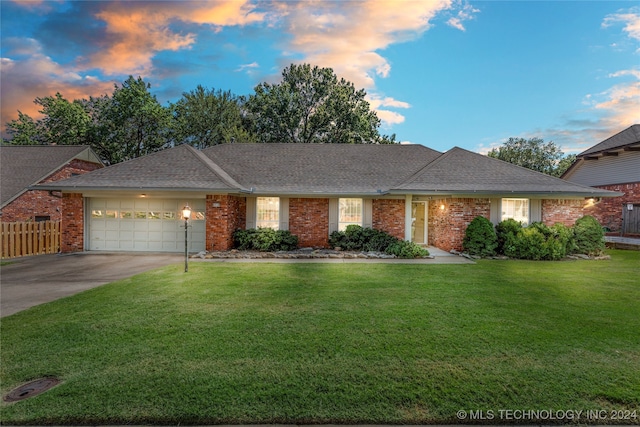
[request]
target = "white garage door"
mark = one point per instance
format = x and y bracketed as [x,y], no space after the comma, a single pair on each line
[151,225]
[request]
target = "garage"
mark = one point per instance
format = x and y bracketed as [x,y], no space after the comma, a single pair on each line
[144,224]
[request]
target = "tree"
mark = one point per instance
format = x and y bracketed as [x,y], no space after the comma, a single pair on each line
[531,153]
[23,131]
[131,123]
[205,117]
[311,105]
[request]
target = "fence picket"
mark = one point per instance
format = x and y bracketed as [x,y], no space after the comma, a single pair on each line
[29,238]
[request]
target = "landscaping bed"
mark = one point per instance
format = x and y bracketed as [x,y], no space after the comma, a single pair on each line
[304,253]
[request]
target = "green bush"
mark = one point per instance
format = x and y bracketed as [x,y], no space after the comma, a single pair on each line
[480,237]
[357,238]
[527,244]
[265,240]
[506,232]
[539,242]
[407,250]
[588,235]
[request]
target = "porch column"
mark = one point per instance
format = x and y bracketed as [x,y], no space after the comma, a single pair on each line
[407,217]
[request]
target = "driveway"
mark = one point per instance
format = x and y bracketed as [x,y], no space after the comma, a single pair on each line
[31,281]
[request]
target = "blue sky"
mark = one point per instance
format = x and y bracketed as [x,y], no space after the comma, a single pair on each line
[441,73]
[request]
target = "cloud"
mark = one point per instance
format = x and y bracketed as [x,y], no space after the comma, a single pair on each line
[137,31]
[387,117]
[465,13]
[631,20]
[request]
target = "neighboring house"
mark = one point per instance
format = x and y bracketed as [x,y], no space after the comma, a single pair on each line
[613,164]
[409,191]
[28,165]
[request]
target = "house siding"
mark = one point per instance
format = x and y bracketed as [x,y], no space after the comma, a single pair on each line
[607,170]
[223,220]
[447,226]
[72,223]
[309,220]
[34,203]
[564,211]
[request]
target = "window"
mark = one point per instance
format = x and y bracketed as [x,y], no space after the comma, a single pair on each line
[349,212]
[268,212]
[517,209]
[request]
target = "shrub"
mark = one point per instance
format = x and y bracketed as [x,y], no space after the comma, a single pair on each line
[406,249]
[527,244]
[480,237]
[357,238]
[588,236]
[506,231]
[265,240]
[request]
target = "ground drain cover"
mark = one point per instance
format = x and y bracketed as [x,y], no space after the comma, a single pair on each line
[30,389]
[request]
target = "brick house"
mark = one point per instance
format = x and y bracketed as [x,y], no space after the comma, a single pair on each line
[410,191]
[28,165]
[613,164]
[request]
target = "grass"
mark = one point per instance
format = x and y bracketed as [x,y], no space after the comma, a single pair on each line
[333,343]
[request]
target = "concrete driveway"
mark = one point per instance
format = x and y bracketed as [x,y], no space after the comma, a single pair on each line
[31,281]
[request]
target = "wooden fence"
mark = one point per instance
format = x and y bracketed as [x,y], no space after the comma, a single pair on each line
[29,238]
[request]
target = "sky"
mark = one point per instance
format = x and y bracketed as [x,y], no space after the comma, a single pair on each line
[441,73]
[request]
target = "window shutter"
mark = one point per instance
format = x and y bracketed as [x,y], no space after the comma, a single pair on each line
[284,213]
[535,210]
[251,212]
[333,215]
[367,213]
[496,211]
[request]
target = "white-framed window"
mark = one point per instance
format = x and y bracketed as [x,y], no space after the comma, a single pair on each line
[268,212]
[517,209]
[349,212]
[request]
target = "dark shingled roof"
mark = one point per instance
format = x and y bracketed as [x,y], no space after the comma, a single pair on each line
[179,168]
[629,136]
[328,169]
[464,172]
[320,168]
[22,166]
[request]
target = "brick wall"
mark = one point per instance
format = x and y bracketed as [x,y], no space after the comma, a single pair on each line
[34,203]
[72,223]
[449,218]
[389,216]
[565,211]
[609,210]
[309,220]
[223,220]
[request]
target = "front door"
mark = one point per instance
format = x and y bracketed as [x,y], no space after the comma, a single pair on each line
[419,223]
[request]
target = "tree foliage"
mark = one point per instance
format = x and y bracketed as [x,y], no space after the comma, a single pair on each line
[534,154]
[311,105]
[206,117]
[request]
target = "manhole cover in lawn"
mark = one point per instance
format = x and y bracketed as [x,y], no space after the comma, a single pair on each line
[30,389]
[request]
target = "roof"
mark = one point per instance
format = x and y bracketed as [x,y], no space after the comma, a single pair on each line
[181,168]
[22,166]
[328,169]
[459,171]
[629,137]
[320,168]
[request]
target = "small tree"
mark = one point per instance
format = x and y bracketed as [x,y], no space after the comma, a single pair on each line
[480,238]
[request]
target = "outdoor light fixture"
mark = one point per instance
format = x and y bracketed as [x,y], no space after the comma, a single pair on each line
[441,207]
[186,214]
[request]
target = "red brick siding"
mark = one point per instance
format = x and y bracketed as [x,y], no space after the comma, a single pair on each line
[389,216]
[34,203]
[609,210]
[72,223]
[565,211]
[447,226]
[309,220]
[222,221]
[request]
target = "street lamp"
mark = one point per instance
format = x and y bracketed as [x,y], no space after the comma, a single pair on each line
[186,214]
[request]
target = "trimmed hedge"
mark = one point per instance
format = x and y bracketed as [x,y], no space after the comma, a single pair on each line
[264,240]
[357,238]
[589,236]
[480,238]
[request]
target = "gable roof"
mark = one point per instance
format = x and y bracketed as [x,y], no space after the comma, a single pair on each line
[459,171]
[22,166]
[627,138]
[320,168]
[181,168]
[328,169]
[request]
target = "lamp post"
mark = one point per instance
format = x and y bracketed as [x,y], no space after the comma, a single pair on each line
[186,214]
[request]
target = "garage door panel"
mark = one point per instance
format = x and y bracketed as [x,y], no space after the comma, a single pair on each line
[143,225]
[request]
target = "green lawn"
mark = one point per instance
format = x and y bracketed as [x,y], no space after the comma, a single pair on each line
[335,343]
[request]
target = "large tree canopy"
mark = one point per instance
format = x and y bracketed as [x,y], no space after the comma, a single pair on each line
[535,154]
[205,117]
[311,105]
